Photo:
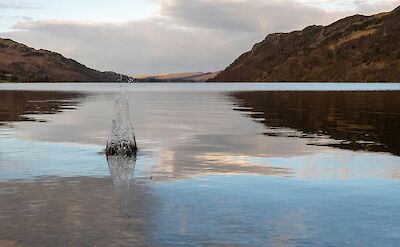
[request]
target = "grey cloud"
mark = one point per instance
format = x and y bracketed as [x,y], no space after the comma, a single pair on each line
[149,46]
[246,15]
[196,35]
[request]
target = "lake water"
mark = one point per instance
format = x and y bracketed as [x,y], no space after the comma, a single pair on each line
[218,165]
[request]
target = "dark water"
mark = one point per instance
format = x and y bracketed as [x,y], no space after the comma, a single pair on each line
[352,120]
[219,165]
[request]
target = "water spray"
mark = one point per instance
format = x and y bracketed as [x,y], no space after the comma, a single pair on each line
[122,139]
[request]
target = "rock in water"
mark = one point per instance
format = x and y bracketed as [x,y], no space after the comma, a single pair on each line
[122,138]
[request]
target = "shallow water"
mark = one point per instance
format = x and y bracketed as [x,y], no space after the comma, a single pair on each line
[219,164]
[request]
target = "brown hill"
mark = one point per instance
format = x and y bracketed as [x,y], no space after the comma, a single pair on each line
[21,63]
[355,49]
[177,77]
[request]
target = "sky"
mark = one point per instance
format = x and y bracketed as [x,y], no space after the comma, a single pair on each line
[164,36]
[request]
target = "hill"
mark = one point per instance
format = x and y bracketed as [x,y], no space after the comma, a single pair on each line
[20,63]
[354,49]
[177,77]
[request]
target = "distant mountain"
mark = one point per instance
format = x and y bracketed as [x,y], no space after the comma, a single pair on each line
[21,63]
[354,49]
[177,77]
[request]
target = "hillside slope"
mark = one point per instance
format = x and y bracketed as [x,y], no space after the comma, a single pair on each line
[21,63]
[354,49]
[177,77]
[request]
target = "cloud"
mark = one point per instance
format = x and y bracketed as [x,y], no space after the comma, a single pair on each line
[17,5]
[370,8]
[147,46]
[196,35]
[365,7]
[246,15]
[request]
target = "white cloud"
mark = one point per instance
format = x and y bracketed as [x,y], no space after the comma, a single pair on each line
[18,5]
[376,6]
[365,7]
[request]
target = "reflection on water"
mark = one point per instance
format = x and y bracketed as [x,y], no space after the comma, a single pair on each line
[21,105]
[212,211]
[208,172]
[80,211]
[121,170]
[358,120]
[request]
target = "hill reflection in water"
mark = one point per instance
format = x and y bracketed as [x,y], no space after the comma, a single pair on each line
[23,105]
[207,174]
[347,120]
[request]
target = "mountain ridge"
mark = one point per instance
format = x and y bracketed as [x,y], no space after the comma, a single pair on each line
[357,48]
[177,77]
[20,63]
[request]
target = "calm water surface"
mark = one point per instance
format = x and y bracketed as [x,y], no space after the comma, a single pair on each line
[219,165]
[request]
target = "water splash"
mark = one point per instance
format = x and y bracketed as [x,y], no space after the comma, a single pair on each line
[122,139]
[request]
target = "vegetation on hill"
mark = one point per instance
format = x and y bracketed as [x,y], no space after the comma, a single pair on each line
[354,49]
[20,63]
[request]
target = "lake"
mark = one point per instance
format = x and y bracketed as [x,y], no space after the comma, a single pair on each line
[218,165]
